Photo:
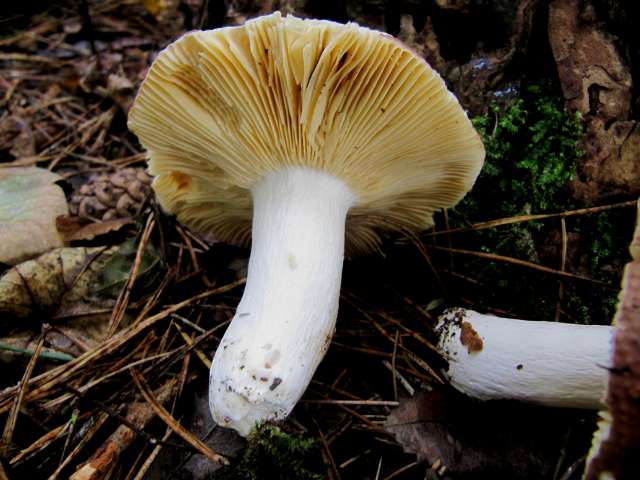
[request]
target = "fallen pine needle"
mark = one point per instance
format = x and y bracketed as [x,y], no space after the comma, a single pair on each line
[12,418]
[530,218]
[524,263]
[138,414]
[388,403]
[187,339]
[172,423]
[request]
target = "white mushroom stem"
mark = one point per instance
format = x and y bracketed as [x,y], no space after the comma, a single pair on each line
[547,363]
[286,318]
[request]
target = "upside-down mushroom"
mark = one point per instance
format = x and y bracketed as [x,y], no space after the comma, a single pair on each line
[292,133]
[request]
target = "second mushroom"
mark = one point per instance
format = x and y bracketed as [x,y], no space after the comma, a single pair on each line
[305,137]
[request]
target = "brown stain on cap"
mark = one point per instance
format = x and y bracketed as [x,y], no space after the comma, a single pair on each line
[182,181]
[470,338]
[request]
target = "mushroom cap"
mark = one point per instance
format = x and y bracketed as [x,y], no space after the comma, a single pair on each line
[220,109]
[616,443]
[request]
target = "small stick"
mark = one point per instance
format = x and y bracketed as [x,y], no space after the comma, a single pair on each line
[40,444]
[411,333]
[123,299]
[135,408]
[152,456]
[59,375]
[138,415]
[12,418]
[349,461]
[378,471]
[83,441]
[327,450]
[405,383]
[401,470]
[173,424]
[563,261]
[393,366]
[187,339]
[328,401]
[529,218]
[524,263]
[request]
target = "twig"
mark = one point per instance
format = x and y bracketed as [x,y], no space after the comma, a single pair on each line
[83,441]
[138,415]
[572,468]
[45,355]
[405,383]
[133,411]
[187,339]
[393,366]
[530,218]
[12,418]
[349,461]
[328,401]
[152,456]
[411,333]
[171,422]
[379,469]
[401,470]
[563,261]
[327,450]
[123,299]
[59,375]
[524,263]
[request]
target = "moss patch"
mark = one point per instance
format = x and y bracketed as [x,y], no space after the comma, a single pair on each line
[274,454]
[532,147]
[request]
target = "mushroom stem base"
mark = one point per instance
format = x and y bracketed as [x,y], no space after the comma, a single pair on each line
[286,318]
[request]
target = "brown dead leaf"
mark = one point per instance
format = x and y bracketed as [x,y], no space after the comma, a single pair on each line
[159,8]
[120,89]
[76,228]
[71,340]
[23,144]
[56,281]
[469,439]
[30,202]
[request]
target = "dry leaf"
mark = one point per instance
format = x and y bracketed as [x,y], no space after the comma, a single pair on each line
[61,280]
[61,345]
[24,144]
[463,438]
[29,205]
[76,228]
[160,8]
[120,89]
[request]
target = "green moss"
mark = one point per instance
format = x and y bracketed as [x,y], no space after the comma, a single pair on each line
[274,454]
[531,152]
[531,155]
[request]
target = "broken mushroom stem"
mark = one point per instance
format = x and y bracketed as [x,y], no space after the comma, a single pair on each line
[287,315]
[546,363]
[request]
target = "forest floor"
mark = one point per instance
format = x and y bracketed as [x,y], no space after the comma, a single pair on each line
[109,352]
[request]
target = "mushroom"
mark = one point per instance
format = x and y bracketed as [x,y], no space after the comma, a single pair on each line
[616,443]
[560,365]
[308,137]
[547,363]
